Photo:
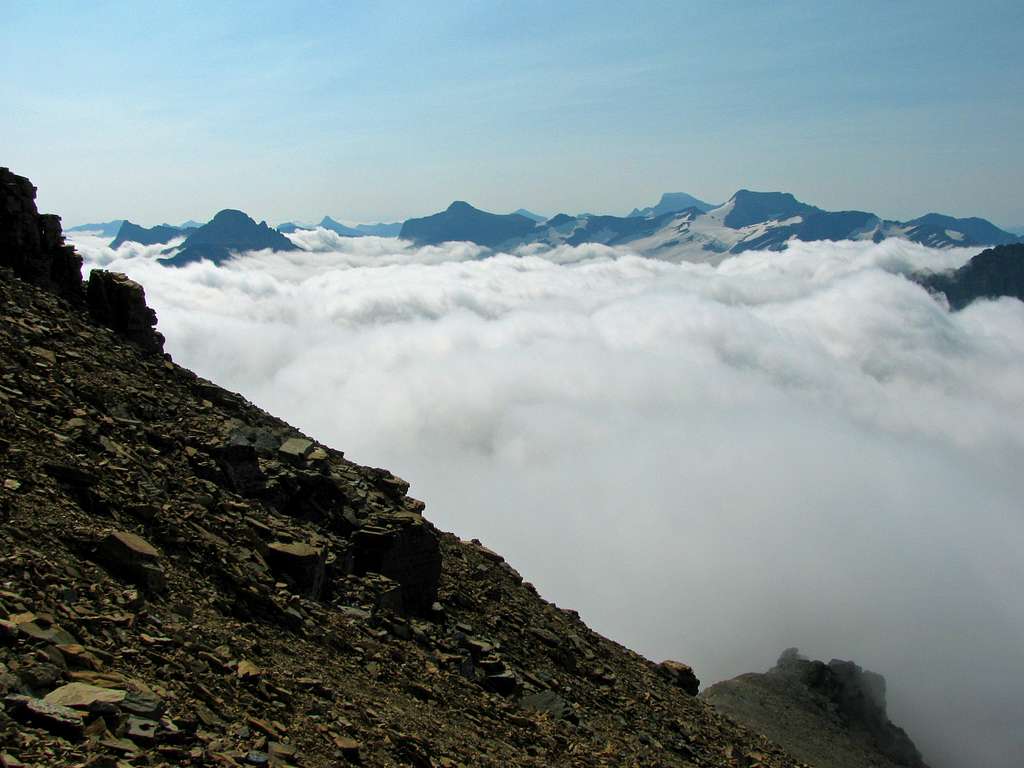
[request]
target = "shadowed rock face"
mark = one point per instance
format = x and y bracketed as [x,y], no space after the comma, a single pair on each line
[120,303]
[991,274]
[830,714]
[229,232]
[32,244]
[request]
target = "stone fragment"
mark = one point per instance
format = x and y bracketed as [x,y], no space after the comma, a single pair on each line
[503,683]
[55,718]
[240,465]
[40,676]
[681,675]
[83,695]
[142,704]
[302,563]
[548,702]
[248,671]
[281,751]
[295,448]
[142,730]
[45,631]
[135,558]
[348,747]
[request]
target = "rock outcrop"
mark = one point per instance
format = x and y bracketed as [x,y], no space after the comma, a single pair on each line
[32,244]
[187,581]
[830,714]
[991,274]
[120,303]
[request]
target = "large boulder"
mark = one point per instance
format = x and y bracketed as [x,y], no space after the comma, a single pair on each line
[120,303]
[680,675]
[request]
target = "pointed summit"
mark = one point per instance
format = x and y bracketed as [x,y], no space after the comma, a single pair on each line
[230,231]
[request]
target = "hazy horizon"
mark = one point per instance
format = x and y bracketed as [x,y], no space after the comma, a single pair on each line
[313,220]
[386,112]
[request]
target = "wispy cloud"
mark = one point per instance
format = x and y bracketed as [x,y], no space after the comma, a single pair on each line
[711,464]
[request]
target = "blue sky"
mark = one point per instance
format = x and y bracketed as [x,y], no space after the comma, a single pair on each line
[387,110]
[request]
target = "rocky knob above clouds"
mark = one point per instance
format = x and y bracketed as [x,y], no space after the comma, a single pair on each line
[991,274]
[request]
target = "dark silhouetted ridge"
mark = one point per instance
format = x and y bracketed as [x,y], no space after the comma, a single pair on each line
[991,274]
[461,221]
[229,232]
[133,233]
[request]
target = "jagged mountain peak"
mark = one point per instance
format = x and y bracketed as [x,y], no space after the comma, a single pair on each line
[230,231]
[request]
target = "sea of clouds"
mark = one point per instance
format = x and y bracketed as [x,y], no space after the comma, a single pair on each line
[710,464]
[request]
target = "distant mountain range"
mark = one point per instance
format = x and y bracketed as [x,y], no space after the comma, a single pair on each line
[106,228]
[133,233]
[530,214]
[671,202]
[747,221]
[359,230]
[680,227]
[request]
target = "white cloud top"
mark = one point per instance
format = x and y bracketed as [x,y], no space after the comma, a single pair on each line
[711,464]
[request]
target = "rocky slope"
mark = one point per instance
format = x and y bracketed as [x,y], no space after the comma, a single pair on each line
[187,581]
[827,714]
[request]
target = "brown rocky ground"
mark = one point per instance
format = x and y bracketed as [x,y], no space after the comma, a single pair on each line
[187,581]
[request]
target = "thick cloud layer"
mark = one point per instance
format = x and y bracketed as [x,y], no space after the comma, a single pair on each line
[798,448]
